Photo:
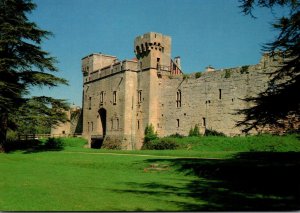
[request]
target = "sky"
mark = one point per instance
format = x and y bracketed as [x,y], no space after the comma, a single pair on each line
[203,32]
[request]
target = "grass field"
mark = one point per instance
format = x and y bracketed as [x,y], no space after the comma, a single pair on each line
[215,174]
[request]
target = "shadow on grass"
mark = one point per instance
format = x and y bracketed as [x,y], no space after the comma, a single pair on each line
[34,146]
[252,181]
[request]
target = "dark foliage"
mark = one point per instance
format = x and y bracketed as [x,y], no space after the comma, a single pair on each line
[161,144]
[29,146]
[177,135]
[53,144]
[12,145]
[211,132]
[280,101]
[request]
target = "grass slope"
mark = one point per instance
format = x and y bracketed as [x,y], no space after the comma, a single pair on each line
[239,174]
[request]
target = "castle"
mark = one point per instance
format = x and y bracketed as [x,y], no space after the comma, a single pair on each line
[120,98]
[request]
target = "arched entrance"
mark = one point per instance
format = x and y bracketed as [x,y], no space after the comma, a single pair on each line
[97,141]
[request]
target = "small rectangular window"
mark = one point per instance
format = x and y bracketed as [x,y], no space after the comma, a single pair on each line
[178,124]
[178,99]
[138,124]
[90,102]
[101,97]
[139,96]
[88,127]
[220,94]
[114,97]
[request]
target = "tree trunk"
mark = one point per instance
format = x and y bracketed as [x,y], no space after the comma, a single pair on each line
[3,130]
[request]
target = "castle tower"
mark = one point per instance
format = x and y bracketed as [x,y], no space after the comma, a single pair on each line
[153,51]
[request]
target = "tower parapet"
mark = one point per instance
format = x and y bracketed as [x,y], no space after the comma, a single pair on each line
[153,50]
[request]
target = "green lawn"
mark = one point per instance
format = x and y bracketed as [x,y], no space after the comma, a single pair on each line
[199,179]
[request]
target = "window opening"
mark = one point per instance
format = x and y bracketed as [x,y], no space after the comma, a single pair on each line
[178,98]
[114,97]
[90,102]
[220,94]
[177,122]
[204,122]
[139,96]
[101,97]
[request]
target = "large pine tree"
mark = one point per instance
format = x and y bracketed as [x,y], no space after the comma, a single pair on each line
[279,104]
[23,64]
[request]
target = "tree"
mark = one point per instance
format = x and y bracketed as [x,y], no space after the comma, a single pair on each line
[278,105]
[38,115]
[23,63]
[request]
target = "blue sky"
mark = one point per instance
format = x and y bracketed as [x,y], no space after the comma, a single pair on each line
[204,32]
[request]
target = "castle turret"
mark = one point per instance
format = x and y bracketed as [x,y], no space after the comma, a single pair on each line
[153,51]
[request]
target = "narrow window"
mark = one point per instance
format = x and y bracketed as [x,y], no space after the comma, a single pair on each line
[177,122]
[178,99]
[204,122]
[139,96]
[90,102]
[114,97]
[88,126]
[138,124]
[112,124]
[220,94]
[118,126]
[101,97]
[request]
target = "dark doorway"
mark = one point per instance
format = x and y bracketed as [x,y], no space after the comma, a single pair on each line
[102,113]
[97,140]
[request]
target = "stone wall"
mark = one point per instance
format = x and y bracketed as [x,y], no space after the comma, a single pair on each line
[120,98]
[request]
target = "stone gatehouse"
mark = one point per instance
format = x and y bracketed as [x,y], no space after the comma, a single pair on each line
[120,98]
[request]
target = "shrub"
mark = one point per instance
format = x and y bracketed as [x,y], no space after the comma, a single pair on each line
[54,144]
[150,134]
[194,131]
[198,74]
[112,143]
[211,132]
[176,135]
[12,145]
[161,144]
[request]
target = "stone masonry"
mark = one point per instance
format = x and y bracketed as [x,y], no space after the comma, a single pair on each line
[120,98]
